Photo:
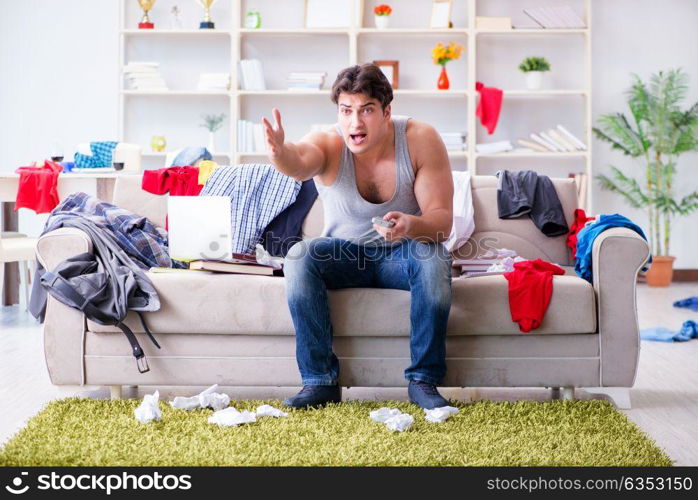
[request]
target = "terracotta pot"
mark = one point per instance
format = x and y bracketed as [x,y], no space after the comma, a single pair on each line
[443,82]
[661,270]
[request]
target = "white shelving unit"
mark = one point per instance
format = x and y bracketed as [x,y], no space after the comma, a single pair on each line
[236,40]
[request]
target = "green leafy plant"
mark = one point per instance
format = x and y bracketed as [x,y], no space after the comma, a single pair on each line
[213,122]
[659,133]
[534,64]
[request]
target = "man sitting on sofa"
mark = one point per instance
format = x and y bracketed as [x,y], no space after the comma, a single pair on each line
[372,164]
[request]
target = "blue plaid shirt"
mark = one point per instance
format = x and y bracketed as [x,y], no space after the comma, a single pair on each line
[101,155]
[144,242]
[258,193]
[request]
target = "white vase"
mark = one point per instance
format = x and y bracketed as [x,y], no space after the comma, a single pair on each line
[534,80]
[211,142]
[382,22]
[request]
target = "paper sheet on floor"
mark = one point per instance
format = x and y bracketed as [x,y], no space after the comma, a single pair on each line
[393,418]
[148,410]
[270,411]
[205,399]
[231,416]
[438,415]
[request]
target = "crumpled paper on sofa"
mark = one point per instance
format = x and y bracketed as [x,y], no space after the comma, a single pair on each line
[393,418]
[205,399]
[264,257]
[148,410]
[438,415]
[231,416]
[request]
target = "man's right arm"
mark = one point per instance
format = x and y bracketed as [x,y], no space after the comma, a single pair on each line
[302,160]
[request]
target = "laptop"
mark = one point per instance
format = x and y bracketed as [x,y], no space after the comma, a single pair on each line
[199,228]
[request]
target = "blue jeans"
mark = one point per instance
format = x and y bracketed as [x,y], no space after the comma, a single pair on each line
[319,264]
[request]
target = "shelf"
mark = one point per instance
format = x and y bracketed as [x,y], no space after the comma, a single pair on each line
[544,93]
[176,93]
[568,154]
[412,31]
[166,32]
[323,92]
[457,154]
[534,31]
[432,92]
[299,31]
[153,154]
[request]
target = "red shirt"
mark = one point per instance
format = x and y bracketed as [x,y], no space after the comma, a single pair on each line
[38,187]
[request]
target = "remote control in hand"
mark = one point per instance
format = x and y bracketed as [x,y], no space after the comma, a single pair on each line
[381,222]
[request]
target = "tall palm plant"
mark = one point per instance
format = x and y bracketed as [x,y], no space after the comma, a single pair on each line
[660,131]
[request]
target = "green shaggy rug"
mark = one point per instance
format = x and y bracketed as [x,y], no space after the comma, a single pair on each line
[523,433]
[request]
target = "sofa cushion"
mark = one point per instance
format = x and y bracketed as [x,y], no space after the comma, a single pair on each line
[256,305]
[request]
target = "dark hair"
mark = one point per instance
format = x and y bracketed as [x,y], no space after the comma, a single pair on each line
[364,79]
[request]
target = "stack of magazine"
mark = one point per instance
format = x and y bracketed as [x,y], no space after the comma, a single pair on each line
[558,139]
[306,80]
[251,75]
[556,17]
[239,264]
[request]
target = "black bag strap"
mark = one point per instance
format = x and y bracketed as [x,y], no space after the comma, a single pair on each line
[63,287]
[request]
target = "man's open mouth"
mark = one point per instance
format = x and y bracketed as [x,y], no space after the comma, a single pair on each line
[357,138]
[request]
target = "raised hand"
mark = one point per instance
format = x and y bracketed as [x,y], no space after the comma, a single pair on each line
[274,136]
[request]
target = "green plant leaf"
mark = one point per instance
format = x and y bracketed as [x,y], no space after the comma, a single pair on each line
[618,132]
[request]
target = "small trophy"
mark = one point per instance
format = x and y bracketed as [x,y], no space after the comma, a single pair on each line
[146,23]
[207,24]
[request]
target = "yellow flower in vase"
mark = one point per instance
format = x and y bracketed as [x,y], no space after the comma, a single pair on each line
[441,55]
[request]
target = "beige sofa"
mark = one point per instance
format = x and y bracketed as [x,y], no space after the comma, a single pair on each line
[236,330]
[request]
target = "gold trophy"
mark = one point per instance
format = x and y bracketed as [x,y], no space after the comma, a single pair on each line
[206,24]
[146,23]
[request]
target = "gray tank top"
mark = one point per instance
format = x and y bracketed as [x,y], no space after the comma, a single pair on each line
[347,214]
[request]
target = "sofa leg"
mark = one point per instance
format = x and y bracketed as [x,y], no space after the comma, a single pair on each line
[620,396]
[568,393]
[115,391]
[554,393]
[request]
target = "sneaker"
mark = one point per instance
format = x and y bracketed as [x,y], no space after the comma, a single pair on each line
[313,396]
[425,395]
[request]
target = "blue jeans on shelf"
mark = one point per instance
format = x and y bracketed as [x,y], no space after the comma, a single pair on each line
[316,265]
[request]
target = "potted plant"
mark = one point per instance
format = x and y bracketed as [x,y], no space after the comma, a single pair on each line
[212,123]
[533,68]
[659,133]
[382,15]
[441,55]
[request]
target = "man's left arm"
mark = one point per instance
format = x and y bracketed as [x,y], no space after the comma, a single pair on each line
[433,188]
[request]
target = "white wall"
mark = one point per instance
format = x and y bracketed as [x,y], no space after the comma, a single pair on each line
[643,37]
[60,81]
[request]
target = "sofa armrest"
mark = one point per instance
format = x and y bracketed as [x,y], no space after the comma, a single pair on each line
[56,246]
[617,256]
[63,326]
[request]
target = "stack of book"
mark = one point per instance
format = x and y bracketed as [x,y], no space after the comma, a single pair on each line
[554,140]
[239,264]
[214,81]
[250,137]
[582,179]
[306,80]
[475,267]
[251,75]
[557,17]
[144,76]
[494,147]
[495,261]
[454,141]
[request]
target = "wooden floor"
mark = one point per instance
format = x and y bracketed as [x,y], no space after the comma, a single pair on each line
[664,398]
